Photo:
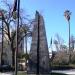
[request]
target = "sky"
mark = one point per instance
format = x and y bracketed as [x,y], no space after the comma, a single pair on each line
[53,13]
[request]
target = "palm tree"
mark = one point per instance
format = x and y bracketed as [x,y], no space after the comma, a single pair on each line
[67,14]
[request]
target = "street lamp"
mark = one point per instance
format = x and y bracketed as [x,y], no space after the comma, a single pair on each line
[67,14]
[16,61]
[16,8]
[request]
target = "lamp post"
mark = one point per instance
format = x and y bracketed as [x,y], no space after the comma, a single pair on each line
[16,8]
[67,14]
[16,53]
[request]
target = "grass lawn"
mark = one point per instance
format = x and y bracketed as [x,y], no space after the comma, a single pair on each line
[50,74]
[21,73]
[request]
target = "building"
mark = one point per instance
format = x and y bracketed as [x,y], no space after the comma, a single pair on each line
[7,53]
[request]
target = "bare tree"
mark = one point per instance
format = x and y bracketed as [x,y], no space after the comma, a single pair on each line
[10,31]
[58,42]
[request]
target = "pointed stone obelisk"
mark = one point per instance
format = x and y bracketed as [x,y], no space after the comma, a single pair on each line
[39,54]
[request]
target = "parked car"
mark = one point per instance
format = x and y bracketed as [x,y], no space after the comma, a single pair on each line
[5,68]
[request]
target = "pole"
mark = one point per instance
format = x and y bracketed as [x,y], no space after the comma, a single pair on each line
[38,48]
[69,43]
[2,43]
[26,43]
[17,31]
[26,50]
[51,57]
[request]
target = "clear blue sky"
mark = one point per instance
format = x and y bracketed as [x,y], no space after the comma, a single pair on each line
[53,13]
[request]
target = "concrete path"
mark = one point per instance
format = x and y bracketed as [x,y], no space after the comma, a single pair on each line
[68,72]
[6,73]
[10,73]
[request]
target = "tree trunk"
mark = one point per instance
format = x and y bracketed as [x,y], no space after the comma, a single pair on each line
[13,57]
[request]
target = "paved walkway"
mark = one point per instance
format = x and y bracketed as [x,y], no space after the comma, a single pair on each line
[6,73]
[11,73]
[68,72]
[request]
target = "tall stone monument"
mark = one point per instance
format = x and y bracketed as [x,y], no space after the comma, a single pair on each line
[39,54]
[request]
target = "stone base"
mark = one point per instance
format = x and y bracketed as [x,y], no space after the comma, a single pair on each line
[32,68]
